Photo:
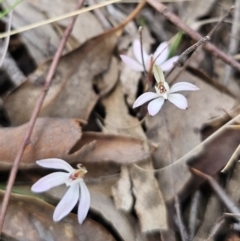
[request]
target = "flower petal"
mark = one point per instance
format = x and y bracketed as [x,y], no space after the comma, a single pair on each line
[155,106]
[161,53]
[84,202]
[158,74]
[131,63]
[49,181]
[181,86]
[145,98]
[167,65]
[55,163]
[67,203]
[179,100]
[137,52]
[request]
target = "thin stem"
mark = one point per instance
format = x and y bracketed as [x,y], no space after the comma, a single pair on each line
[33,119]
[141,44]
[182,229]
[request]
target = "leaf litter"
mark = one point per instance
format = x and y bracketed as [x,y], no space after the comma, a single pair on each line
[137,164]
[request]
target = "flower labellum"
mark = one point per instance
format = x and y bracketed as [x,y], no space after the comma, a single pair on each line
[77,191]
[158,58]
[163,92]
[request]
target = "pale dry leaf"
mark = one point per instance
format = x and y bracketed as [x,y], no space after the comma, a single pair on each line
[30,218]
[121,191]
[150,206]
[87,25]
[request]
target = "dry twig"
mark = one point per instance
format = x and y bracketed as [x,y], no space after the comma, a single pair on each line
[193,34]
[33,119]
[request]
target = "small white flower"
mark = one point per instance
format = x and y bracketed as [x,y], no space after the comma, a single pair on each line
[158,58]
[163,92]
[73,178]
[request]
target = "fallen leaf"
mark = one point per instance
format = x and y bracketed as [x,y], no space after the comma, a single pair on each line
[44,141]
[71,83]
[219,146]
[30,218]
[74,147]
[150,206]
[114,148]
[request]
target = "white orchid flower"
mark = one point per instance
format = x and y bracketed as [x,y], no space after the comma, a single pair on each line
[73,178]
[158,58]
[163,92]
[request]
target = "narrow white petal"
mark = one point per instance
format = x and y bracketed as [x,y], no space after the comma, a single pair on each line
[49,181]
[55,163]
[182,86]
[131,63]
[155,106]
[167,65]
[145,98]
[84,202]
[137,52]
[161,53]
[179,100]
[67,203]
[158,74]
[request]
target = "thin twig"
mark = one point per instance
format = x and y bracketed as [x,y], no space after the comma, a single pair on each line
[229,204]
[193,34]
[33,119]
[234,41]
[193,215]
[194,47]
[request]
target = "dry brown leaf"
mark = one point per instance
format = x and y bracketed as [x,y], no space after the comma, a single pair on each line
[30,218]
[113,148]
[71,94]
[61,138]
[51,138]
